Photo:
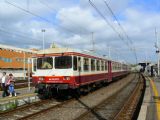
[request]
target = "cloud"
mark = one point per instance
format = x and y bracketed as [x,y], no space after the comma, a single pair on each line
[71,23]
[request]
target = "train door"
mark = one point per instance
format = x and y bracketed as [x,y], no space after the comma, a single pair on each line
[109,71]
[34,65]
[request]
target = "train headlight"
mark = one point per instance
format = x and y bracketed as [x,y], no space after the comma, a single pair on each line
[41,78]
[66,78]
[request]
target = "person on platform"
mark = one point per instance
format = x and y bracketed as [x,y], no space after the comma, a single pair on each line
[4,84]
[10,84]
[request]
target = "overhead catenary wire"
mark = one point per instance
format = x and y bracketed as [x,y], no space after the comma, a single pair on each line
[11,33]
[114,29]
[119,24]
[104,18]
[56,11]
[42,18]
[38,16]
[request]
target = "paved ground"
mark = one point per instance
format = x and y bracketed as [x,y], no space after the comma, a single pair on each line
[154,107]
[21,91]
[150,109]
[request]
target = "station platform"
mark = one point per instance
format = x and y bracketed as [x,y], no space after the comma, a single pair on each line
[150,109]
[24,96]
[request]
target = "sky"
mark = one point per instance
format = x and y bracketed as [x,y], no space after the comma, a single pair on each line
[77,24]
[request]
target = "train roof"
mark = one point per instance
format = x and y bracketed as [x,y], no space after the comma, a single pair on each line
[69,50]
[58,50]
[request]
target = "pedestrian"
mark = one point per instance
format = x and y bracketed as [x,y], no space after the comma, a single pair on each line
[10,84]
[4,85]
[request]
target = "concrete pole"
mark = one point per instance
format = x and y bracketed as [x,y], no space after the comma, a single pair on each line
[24,65]
[157,47]
[146,59]
[29,87]
[109,52]
[158,62]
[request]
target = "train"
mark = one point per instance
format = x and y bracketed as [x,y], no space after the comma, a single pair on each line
[67,70]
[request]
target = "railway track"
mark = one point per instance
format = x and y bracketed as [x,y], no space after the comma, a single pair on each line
[129,109]
[120,106]
[29,110]
[106,110]
[79,107]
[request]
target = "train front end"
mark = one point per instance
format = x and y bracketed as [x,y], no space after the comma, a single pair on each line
[53,74]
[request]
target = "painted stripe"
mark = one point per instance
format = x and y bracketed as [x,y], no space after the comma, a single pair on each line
[156,94]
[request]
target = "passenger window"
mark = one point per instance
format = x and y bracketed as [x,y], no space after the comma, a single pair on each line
[102,65]
[98,65]
[79,63]
[106,66]
[75,63]
[92,65]
[86,64]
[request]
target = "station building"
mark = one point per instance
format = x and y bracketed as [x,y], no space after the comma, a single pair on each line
[13,59]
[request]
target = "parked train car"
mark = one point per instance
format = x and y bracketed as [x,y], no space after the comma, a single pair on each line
[65,69]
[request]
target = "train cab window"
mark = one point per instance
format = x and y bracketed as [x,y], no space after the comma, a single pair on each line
[74,63]
[86,64]
[92,65]
[45,63]
[63,62]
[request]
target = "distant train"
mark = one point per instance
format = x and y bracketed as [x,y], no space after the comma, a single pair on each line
[69,70]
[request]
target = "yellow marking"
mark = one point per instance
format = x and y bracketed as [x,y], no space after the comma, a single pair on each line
[156,100]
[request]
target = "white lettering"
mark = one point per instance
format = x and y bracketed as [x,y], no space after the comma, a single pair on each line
[54,79]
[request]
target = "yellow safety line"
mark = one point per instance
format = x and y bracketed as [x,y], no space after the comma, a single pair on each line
[156,100]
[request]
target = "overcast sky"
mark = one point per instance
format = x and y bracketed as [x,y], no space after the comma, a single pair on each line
[71,23]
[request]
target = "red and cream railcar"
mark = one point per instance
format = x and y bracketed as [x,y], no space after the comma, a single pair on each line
[64,68]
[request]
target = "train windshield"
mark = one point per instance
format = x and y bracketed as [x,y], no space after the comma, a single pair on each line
[63,62]
[45,63]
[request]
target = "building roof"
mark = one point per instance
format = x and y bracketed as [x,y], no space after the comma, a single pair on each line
[8,47]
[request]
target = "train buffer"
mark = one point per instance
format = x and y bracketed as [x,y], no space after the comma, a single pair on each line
[24,96]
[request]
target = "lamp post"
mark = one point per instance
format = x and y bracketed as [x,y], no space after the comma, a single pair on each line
[157,50]
[43,31]
[29,73]
[24,65]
